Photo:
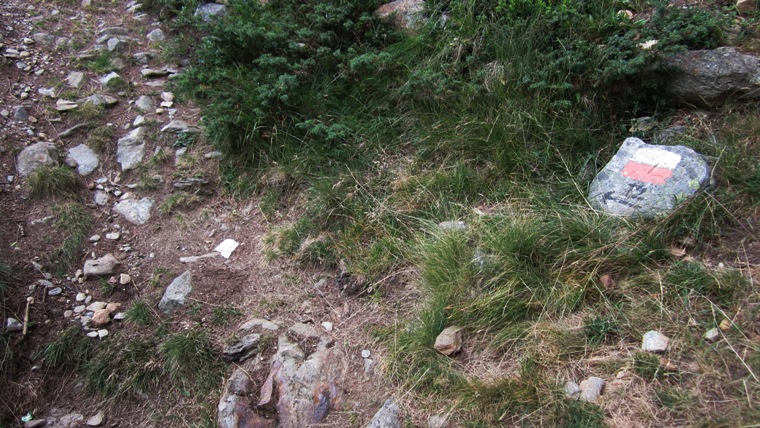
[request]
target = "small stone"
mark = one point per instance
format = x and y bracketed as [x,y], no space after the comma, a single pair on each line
[119,316]
[176,293]
[208,11]
[655,341]
[105,265]
[92,334]
[96,306]
[156,35]
[167,96]
[725,325]
[213,155]
[151,72]
[12,324]
[35,423]
[113,306]
[96,420]
[85,158]
[452,225]
[68,313]
[139,121]
[55,292]
[75,79]
[65,105]
[100,198]
[591,388]
[99,100]
[80,296]
[130,149]
[102,333]
[21,114]
[144,103]
[94,238]
[116,44]
[366,353]
[369,366]
[327,325]
[387,416]
[79,309]
[124,279]
[110,79]
[712,335]
[101,317]
[449,341]
[113,236]
[572,389]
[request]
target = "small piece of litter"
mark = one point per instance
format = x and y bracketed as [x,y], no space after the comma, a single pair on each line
[226,248]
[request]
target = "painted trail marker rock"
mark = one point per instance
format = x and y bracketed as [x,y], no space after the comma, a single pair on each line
[644,180]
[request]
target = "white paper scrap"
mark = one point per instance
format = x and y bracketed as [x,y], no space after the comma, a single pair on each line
[226,248]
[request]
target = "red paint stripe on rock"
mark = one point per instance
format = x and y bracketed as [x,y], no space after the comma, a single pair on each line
[646,173]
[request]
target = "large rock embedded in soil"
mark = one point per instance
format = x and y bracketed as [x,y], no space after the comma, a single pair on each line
[135,211]
[644,180]
[707,78]
[36,156]
[406,13]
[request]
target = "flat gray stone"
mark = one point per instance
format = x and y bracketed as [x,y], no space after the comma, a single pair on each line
[103,266]
[75,79]
[244,348]
[135,211]
[65,105]
[21,114]
[115,44]
[387,416]
[99,100]
[43,38]
[12,324]
[180,127]
[572,389]
[100,198]
[130,149]
[208,11]
[258,323]
[85,158]
[176,293]
[644,180]
[36,156]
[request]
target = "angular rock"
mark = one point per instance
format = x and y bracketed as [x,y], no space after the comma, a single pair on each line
[151,72]
[180,127]
[85,158]
[449,341]
[387,416]
[75,79]
[310,388]
[572,390]
[746,5]
[103,266]
[96,420]
[707,78]
[245,347]
[176,293]
[145,103]
[46,92]
[406,13]
[115,44]
[644,180]
[36,423]
[135,211]
[110,79]
[712,335]
[65,105]
[235,409]
[256,323]
[99,100]
[130,149]
[101,317]
[43,38]
[143,57]
[156,35]
[591,388]
[208,11]
[21,114]
[654,341]
[36,156]
[12,324]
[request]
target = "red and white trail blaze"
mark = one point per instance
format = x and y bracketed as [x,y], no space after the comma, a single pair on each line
[651,165]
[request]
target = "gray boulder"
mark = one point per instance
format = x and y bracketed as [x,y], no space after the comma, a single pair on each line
[99,100]
[144,103]
[405,13]
[180,127]
[235,408]
[387,416]
[135,211]
[706,78]
[176,293]
[85,159]
[208,11]
[130,149]
[644,180]
[36,156]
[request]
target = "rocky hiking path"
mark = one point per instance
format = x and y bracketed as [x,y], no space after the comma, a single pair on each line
[85,86]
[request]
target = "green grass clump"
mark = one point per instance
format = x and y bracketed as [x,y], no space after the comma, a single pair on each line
[57,181]
[74,222]
[139,313]
[70,350]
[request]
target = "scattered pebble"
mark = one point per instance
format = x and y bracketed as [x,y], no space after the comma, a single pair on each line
[55,292]
[654,341]
[366,353]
